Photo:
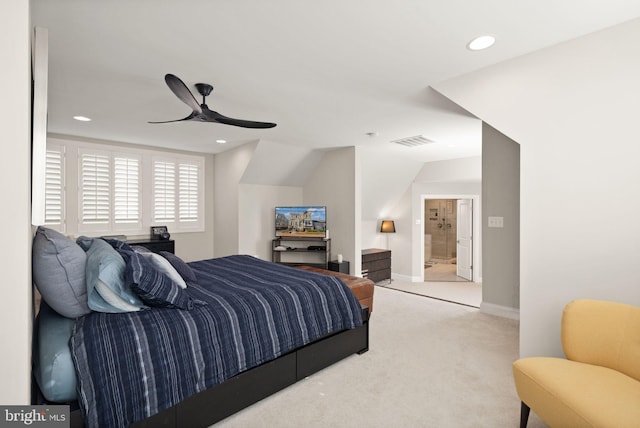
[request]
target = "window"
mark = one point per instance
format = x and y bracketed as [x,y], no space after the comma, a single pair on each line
[188,192]
[94,189]
[177,193]
[54,188]
[109,192]
[126,190]
[164,191]
[121,190]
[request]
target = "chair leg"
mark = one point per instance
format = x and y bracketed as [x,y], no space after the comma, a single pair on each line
[524,414]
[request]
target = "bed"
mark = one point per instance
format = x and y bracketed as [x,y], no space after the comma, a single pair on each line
[241,329]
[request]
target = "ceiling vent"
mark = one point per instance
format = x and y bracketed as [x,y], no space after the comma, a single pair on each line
[418,140]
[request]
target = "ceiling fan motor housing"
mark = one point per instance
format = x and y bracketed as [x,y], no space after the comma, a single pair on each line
[204,89]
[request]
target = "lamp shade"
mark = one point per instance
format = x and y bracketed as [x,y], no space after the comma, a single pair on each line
[387,226]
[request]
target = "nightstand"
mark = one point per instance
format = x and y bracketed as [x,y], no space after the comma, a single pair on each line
[155,245]
[336,266]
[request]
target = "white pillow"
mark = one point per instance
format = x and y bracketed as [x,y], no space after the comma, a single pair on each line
[165,267]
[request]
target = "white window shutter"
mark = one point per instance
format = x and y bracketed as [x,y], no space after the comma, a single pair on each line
[164,191]
[126,189]
[95,189]
[188,192]
[54,188]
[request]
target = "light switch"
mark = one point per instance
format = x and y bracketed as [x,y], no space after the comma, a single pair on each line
[496,221]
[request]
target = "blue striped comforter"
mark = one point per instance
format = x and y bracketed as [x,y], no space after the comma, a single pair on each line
[132,365]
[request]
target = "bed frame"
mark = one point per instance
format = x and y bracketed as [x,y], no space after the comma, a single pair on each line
[241,391]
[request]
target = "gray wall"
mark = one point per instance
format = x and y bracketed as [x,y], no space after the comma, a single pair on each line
[500,198]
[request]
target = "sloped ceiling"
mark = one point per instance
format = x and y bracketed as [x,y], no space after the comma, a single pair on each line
[280,164]
[326,72]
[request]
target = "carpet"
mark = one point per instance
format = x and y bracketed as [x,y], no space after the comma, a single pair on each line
[430,364]
[465,293]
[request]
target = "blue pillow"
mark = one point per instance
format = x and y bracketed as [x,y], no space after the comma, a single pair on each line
[153,287]
[106,288]
[58,267]
[180,266]
[117,244]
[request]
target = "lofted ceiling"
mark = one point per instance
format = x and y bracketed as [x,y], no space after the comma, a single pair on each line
[329,73]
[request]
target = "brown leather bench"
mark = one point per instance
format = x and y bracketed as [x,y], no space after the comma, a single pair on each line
[362,288]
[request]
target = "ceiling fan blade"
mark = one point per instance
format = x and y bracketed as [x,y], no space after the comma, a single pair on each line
[178,87]
[190,117]
[214,116]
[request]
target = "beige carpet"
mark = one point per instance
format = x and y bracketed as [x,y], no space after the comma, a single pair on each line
[431,364]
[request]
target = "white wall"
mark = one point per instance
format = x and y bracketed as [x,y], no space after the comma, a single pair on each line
[573,108]
[15,177]
[451,171]
[386,174]
[257,215]
[336,184]
[199,246]
[228,169]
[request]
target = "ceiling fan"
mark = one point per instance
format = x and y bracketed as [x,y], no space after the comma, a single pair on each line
[201,112]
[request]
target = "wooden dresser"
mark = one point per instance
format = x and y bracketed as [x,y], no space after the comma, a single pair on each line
[376,264]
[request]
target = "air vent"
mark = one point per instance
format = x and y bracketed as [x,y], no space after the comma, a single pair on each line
[418,140]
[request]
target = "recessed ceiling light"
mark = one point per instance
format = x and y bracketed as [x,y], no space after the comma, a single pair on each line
[221,141]
[481,42]
[82,118]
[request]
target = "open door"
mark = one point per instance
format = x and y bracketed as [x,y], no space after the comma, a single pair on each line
[464,245]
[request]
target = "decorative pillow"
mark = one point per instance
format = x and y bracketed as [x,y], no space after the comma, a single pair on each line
[165,267]
[179,265]
[106,288]
[154,287]
[59,272]
[140,249]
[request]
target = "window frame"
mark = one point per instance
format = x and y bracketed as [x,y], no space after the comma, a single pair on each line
[72,202]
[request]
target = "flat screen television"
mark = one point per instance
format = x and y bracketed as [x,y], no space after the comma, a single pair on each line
[301,222]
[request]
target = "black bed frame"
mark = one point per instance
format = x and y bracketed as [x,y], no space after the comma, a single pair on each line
[241,391]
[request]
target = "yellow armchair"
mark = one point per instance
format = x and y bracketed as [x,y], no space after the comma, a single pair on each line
[598,384]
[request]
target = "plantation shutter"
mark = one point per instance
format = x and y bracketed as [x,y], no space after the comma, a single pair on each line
[164,191]
[126,188]
[94,188]
[54,187]
[188,192]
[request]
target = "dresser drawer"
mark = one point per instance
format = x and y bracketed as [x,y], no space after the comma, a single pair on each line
[375,254]
[378,275]
[377,264]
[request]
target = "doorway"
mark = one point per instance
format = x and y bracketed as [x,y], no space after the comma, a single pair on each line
[447,240]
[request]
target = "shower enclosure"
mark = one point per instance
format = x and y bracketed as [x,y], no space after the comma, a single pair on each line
[440,231]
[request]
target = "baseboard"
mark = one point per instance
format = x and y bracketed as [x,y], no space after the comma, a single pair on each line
[501,311]
[407,278]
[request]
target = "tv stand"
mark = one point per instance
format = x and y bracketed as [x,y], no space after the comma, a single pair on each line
[297,251]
